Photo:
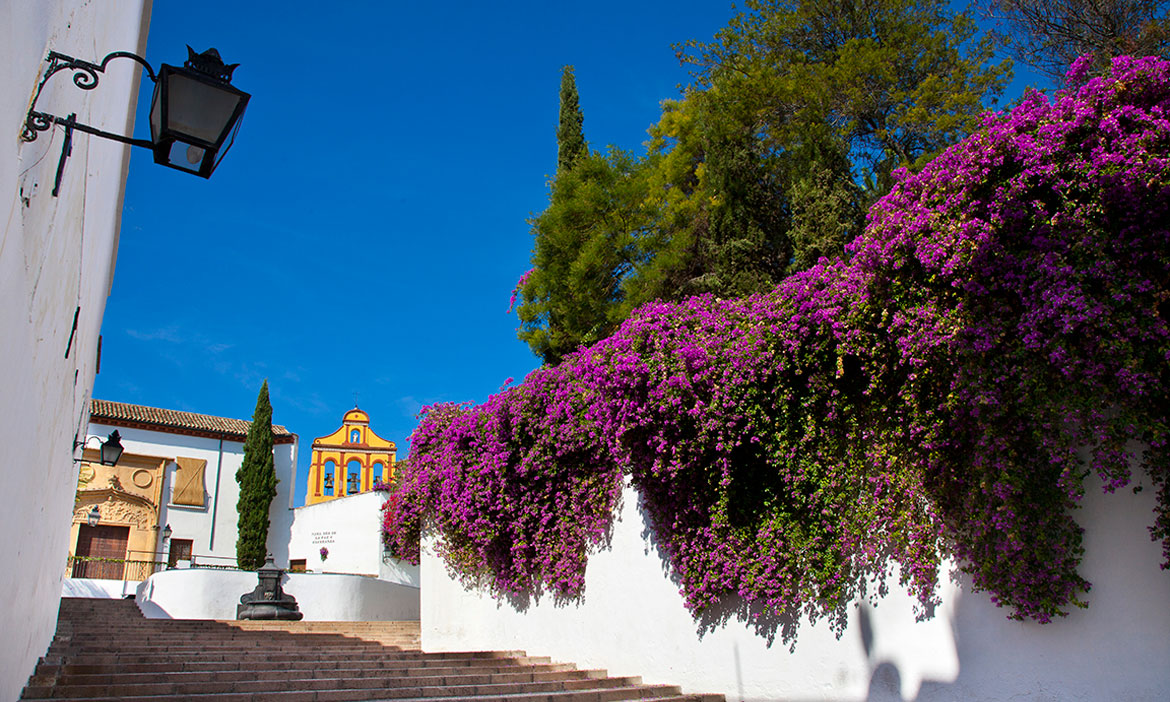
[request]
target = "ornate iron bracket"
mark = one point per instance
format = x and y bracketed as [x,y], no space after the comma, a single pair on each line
[85,76]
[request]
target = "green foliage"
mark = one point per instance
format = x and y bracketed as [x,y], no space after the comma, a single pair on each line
[257,479]
[800,113]
[588,243]
[891,82]
[571,145]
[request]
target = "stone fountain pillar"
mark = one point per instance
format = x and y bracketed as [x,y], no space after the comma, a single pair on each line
[268,600]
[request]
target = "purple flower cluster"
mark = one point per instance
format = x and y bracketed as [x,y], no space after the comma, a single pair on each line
[999,331]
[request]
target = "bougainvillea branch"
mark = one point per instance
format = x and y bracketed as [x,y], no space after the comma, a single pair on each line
[997,333]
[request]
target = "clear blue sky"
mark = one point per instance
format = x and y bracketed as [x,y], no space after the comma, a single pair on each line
[366,230]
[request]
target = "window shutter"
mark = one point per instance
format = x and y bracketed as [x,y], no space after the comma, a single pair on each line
[188,482]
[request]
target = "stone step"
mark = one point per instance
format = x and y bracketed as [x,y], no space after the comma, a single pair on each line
[471,675]
[388,687]
[423,661]
[262,639]
[615,694]
[216,646]
[106,650]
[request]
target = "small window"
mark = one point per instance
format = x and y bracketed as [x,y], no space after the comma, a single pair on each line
[296,565]
[180,551]
[355,436]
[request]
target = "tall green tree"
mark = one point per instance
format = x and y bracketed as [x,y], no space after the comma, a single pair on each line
[571,146]
[257,479]
[587,244]
[800,113]
[893,82]
[1049,35]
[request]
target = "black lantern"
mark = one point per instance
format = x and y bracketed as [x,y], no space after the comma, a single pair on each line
[195,113]
[93,516]
[167,532]
[112,449]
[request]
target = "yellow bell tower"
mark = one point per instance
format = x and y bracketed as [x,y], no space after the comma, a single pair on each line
[349,460]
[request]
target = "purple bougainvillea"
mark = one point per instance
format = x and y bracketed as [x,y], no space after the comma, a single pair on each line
[998,332]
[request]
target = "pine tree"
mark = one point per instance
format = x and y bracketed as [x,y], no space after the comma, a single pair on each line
[570,128]
[257,479]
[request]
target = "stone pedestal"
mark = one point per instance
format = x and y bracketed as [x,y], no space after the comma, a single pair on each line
[268,600]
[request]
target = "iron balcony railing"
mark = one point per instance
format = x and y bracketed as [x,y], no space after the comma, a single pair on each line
[112,568]
[135,568]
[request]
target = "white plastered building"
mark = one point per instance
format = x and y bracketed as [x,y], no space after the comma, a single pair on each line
[57,258]
[197,456]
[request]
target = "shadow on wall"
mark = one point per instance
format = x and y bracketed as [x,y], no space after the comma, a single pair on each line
[766,624]
[1115,649]
[967,648]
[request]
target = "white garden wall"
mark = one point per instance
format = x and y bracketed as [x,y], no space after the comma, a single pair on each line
[56,260]
[94,588]
[213,594]
[351,529]
[631,621]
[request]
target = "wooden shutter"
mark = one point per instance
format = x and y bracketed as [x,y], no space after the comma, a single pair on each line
[188,482]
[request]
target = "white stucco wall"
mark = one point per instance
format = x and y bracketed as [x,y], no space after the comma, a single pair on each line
[94,588]
[213,527]
[214,594]
[351,528]
[57,254]
[632,622]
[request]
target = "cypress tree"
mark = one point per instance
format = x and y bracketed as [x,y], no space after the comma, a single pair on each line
[570,130]
[257,479]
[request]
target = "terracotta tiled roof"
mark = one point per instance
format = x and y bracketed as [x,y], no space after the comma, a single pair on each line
[175,422]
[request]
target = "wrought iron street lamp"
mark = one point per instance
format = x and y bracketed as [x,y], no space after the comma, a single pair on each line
[111,448]
[93,516]
[195,112]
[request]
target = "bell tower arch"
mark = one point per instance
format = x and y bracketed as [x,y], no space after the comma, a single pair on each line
[349,460]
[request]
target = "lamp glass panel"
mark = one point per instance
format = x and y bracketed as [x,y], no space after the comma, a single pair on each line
[187,157]
[110,454]
[156,112]
[227,145]
[198,110]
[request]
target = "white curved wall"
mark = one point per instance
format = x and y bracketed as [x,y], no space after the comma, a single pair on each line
[631,621]
[94,588]
[56,255]
[213,594]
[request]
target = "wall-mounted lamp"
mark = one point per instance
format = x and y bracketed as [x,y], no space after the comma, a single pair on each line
[194,114]
[167,532]
[111,449]
[93,516]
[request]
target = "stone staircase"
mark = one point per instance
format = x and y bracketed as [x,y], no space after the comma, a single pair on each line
[106,650]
